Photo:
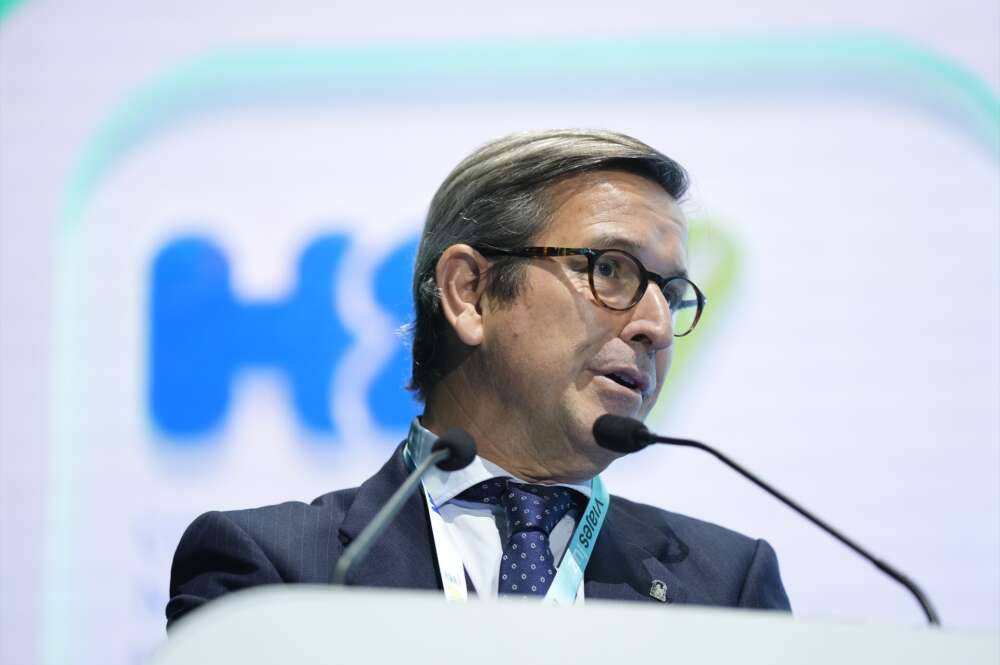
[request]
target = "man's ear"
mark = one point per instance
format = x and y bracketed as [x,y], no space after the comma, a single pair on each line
[461,280]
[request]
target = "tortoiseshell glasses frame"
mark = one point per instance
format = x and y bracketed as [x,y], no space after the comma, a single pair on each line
[622,279]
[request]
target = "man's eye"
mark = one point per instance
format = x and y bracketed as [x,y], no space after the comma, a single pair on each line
[606,267]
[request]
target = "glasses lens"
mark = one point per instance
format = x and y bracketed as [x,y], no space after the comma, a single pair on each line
[683,300]
[616,278]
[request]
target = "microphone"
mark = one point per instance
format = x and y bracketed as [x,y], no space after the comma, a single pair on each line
[627,435]
[454,450]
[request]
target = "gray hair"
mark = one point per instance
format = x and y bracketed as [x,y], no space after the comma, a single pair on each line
[498,197]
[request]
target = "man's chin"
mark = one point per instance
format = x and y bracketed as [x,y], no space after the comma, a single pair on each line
[624,408]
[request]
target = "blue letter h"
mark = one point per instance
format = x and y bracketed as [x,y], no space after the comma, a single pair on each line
[201,336]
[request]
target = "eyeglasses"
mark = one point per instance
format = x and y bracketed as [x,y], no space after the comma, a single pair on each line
[618,281]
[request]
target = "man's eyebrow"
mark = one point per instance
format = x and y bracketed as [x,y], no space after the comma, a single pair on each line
[614,241]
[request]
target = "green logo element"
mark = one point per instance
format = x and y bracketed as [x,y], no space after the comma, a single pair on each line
[715,266]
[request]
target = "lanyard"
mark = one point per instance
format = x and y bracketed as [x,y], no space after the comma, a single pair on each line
[569,574]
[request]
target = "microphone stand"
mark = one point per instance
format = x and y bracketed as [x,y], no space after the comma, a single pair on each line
[911,586]
[370,534]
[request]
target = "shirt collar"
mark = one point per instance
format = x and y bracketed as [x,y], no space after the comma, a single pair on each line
[443,486]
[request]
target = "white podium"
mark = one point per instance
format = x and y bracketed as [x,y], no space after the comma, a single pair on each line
[308,625]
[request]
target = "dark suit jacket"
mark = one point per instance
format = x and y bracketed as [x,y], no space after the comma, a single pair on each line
[700,563]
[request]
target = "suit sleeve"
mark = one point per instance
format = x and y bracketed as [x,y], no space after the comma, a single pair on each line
[215,556]
[762,587]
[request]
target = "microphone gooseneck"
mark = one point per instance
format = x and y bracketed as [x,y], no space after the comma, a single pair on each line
[453,450]
[627,435]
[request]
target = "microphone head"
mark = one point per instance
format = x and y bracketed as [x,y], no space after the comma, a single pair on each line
[620,434]
[460,446]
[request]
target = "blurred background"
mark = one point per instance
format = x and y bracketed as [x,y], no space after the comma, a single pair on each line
[208,213]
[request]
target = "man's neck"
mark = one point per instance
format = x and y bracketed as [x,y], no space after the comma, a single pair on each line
[500,437]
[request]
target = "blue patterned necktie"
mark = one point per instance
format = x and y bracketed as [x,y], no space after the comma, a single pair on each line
[526,567]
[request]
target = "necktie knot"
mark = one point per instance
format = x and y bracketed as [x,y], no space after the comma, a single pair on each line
[535,507]
[528,507]
[532,511]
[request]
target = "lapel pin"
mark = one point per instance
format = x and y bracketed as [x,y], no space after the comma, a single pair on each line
[659,591]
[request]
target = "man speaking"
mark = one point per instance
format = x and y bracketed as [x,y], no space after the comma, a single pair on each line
[550,287]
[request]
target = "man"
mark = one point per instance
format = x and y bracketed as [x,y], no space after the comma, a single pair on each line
[550,288]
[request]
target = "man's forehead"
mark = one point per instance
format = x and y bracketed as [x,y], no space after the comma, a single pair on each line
[602,194]
[617,210]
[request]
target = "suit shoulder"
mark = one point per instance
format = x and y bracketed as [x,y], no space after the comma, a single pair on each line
[324,512]
[685,528]
[223,551]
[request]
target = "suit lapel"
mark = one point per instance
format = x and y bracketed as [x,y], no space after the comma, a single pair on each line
[630,558]
[404,554]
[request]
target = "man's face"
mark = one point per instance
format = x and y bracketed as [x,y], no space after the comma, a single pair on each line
[554,357]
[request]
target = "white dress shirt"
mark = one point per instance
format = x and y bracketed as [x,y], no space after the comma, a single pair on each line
[478,530]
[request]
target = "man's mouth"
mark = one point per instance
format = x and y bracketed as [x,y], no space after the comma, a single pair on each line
[623,381]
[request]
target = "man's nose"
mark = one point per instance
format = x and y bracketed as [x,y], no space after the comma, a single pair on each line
[651,323]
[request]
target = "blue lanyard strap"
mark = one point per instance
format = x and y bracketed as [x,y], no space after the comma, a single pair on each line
[570,574]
